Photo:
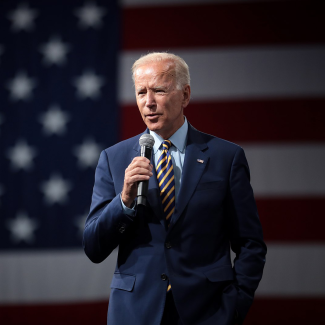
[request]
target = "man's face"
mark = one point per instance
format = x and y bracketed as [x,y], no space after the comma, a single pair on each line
[160,103]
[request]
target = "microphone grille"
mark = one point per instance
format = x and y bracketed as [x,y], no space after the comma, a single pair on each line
[147,140]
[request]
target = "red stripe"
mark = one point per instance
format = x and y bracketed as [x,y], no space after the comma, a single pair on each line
[266,311]
[54,314]
[163,27]
[286,311]
[287,120]
[292,219]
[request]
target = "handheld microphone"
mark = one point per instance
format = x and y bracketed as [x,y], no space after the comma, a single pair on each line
[146,142]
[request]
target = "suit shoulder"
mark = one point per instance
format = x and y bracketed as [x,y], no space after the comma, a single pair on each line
[216,142]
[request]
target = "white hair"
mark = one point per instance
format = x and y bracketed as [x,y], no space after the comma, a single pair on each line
[180,67]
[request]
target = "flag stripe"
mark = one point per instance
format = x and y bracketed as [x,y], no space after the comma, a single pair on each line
[274,120]
[223,24]
[243,73]
[24,285]
[289,264]
[292,170]
[292,310]
[292,219]
[158,3]
[53,314]
[267,120]
[65,277]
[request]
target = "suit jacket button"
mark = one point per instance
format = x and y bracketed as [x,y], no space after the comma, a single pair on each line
[164,277]
[122,229]
[168,245]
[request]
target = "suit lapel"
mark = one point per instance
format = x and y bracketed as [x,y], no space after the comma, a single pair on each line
[192,171]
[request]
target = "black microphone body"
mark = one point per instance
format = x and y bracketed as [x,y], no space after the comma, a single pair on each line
[146,142]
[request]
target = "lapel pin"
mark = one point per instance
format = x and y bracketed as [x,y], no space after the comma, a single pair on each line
[200,161]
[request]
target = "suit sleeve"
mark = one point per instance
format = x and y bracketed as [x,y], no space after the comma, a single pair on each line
[106,223]
[245,233]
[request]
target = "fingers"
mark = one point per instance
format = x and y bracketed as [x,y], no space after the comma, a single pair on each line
[143,161]
[139,170]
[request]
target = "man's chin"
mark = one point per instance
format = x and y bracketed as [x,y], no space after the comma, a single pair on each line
[153,125]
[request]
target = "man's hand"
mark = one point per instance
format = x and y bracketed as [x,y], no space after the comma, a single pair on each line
[140,169]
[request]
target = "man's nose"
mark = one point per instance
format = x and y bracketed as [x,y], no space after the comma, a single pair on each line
[150,102]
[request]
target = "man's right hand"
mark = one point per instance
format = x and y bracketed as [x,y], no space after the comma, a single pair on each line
[140,169]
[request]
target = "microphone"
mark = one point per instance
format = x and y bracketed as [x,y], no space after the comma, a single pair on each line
[146,142]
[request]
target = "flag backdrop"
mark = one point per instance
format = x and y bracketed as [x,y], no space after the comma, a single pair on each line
[258,79]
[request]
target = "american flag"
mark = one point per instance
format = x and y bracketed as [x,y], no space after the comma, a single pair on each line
[258,79]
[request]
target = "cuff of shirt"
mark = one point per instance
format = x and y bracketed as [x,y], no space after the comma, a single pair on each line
[128,211]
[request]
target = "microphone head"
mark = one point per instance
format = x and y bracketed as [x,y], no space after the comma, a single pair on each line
[147,140]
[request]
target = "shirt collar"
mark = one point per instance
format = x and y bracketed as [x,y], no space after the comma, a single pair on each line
[178,139]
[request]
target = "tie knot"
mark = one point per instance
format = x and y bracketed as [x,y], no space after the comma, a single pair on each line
[166,144]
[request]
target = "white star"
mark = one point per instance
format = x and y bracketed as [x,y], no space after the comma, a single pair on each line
[21,87]
[56,190]
[79,222]
[87,153]
[88,85]
[22,228]
[54,51]
[21,155]
[90,15]
[22,18]
[54,121]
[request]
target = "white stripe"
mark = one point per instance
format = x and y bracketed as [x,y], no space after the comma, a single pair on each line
[287,170]
[294,270]
[58,276]
[53,276]
[137,3]
[262,72]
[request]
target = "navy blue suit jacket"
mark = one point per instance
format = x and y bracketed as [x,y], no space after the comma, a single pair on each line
[215,210]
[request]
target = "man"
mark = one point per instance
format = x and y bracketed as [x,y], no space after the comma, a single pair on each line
[174,263]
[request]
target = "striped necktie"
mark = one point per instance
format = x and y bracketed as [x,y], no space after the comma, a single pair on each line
[165,176]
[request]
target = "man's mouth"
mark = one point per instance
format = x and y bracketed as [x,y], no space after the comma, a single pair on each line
[152,116]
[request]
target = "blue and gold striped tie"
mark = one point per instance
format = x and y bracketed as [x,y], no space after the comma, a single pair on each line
[166,181]
[165,176]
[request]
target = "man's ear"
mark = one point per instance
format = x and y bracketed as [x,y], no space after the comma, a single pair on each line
[186,95]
